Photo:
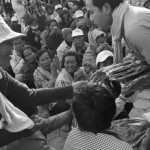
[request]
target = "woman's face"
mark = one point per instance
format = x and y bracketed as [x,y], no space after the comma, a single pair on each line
[45,61]
[29,55]
[70,64]
[100,39]
[52,26]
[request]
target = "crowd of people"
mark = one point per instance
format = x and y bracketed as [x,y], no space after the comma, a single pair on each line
[75,68]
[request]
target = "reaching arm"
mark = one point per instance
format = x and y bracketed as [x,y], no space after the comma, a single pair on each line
[20,94]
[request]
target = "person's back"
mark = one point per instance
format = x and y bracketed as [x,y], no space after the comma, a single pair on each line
[83,140]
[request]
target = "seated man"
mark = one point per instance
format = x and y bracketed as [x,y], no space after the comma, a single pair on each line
[94,111]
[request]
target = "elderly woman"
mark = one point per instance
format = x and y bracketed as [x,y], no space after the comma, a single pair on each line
[94,110]
[69,74]
[44,76]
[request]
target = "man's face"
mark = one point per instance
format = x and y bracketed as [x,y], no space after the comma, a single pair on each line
[50,11]
[5,52]
[18,44]
[70,64]
[78,40]
[102,18]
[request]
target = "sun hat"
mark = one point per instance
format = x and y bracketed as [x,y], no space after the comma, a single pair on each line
[6,32]
[77,32]
[102,56]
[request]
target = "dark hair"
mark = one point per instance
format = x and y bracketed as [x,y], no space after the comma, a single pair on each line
[94,110]
[112,3]
[23,38]
[33,49]
[70,53]
[65,12]
[146,4]
[49,6]
[40,53]
[53,20]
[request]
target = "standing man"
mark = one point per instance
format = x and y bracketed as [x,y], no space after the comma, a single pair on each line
[130,22]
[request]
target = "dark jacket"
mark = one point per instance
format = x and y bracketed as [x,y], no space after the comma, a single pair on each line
[65,24]
[54,40]
[26,99]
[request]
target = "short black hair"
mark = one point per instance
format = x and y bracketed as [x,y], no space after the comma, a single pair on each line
[95,110]
[49,6]
[70,53]
[53,20]
[23,38]
[40,53]
[112,3]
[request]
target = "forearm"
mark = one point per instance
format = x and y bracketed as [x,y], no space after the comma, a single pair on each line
[20,94]
[57,121]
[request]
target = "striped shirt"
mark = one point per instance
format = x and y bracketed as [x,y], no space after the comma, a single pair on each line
[79,140]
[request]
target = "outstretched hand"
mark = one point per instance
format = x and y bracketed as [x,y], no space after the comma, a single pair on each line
[99,76]
[79,86]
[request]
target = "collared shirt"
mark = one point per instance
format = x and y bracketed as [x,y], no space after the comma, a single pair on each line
[80,140]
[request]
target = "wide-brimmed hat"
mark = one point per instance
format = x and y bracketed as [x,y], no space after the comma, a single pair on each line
[6,33]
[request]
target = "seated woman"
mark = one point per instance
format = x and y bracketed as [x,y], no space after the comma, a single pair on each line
[44,77]
[94,110]
[28,67]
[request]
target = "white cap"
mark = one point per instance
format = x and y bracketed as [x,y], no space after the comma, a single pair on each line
[58,6]
[77,32]
[14,18]
[102,56]
[78,13]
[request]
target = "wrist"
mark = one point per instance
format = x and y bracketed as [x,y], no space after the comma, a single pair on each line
[122,98]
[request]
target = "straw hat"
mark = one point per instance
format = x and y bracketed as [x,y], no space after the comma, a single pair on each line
[6,33]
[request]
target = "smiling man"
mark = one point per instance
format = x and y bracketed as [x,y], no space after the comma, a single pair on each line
[130,22]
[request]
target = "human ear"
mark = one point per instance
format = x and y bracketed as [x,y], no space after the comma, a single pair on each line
[106,9]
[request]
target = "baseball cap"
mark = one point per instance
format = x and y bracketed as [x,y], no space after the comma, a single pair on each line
[58,6]
[102,56]
[77,32]
[78,13]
